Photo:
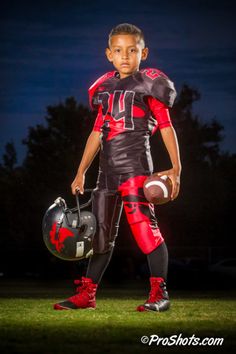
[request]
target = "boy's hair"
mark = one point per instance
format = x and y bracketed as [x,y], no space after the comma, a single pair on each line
[126,28]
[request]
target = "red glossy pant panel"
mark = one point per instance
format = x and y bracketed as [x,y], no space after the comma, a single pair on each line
[113,191]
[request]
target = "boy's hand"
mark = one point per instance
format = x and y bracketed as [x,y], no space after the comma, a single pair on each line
[175,179]
[78,183]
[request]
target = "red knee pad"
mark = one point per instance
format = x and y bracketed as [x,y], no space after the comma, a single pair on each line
[147,237]
[140,214]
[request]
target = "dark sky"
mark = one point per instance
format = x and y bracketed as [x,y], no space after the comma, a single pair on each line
[54,50]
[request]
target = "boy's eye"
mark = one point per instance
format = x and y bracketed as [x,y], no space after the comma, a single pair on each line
[133,50]
[117,50]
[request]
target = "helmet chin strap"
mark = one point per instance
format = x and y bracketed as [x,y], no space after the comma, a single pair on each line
[60,201]
[82,206]
[78,208]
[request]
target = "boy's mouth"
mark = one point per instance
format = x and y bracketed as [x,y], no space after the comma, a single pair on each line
[125,65]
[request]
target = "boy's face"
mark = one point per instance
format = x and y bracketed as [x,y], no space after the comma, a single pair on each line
[126,52]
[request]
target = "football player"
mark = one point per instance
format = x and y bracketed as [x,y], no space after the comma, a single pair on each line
[131,105]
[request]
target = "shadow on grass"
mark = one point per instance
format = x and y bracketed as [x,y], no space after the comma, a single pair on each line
[103,339]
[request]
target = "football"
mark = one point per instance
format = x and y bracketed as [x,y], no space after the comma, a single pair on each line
[157,190]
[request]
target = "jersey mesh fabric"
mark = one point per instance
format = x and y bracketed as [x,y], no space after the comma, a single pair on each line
[130,110]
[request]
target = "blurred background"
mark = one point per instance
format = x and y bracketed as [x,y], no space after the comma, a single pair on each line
[50,54]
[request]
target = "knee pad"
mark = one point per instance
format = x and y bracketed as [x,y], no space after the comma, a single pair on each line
[142,220]
[107,207]
[148,236]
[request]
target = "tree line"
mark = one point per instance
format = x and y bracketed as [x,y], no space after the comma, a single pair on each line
[201,215]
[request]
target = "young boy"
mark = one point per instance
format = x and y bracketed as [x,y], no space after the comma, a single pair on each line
[131,105]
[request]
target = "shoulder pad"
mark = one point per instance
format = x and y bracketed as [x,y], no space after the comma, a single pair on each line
[93,88]
[159,86]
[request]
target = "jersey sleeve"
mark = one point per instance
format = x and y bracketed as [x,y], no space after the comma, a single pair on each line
[98,121]
[160,112]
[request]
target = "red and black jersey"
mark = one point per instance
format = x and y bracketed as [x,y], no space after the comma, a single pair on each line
[130,110]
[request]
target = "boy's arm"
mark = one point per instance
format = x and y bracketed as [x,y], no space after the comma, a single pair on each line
[161,112]
[170,140]
[91,149]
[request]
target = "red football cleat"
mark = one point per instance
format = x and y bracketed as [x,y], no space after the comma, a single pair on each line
[158,297]
[83,299]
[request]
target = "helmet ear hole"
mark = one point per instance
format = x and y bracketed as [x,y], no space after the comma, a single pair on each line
[82,228]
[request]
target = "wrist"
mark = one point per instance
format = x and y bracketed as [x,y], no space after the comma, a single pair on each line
[177,169]
[81,172]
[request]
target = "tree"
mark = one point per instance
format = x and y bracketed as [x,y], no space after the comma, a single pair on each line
[54,150]
[9,157]
[202,197]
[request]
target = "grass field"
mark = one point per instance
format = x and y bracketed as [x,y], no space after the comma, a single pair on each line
[30,325]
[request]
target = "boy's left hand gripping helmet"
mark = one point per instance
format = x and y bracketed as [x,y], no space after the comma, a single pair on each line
[68,233]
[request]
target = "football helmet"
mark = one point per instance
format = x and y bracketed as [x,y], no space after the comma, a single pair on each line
[68,233]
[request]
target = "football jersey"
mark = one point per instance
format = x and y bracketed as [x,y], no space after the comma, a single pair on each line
[130,110]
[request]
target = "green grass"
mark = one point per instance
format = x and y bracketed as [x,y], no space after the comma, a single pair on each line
[30,325]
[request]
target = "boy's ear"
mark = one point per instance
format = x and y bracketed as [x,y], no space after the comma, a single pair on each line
[108,54]
[145,52]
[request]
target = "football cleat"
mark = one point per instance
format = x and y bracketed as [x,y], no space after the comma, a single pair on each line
[83,299]
[158,297]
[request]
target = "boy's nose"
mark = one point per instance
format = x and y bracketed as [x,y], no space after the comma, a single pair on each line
[125,55]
